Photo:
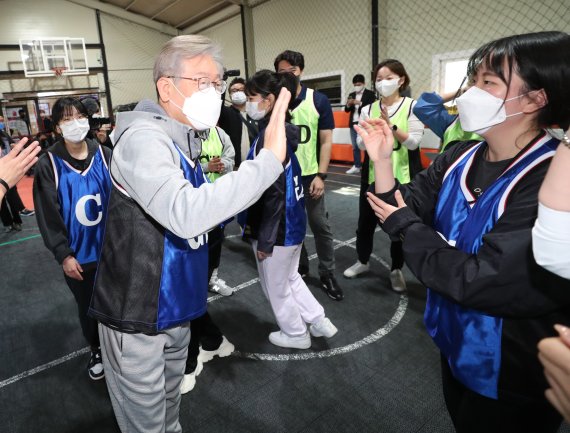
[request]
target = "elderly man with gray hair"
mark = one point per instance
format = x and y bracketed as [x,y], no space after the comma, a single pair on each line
[152,276]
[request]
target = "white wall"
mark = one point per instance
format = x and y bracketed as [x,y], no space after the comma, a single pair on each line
[333,35]
[228,35]
[130,48]
[415,31]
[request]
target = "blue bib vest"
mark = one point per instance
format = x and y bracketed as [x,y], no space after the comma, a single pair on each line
[83,198]
[469,340]
[295,216]
[183,288]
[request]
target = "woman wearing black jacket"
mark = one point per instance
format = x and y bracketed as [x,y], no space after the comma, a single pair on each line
[276,225]
[466,228]
[71,190]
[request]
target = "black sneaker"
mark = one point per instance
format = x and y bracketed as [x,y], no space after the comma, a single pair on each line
[331,287]
[95,367]
[27,212]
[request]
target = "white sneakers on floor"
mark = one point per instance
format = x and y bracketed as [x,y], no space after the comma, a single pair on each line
[323,328]
[219,286]
[224,349]
[283,340]
[397,280]
[189,381]
[356,269]
[353,170]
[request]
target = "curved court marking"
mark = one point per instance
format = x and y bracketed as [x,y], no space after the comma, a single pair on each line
[375,336]
[369,339]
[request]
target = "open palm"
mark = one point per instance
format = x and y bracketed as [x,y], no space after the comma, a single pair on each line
[377,137]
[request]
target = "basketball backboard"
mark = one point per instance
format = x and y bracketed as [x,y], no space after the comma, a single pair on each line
[43,57]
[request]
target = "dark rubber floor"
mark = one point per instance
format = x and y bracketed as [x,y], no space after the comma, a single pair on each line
[380,373]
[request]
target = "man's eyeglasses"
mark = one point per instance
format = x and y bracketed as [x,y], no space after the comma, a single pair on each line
[205,83]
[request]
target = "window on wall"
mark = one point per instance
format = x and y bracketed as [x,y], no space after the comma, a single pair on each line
[454,71]
[449,70]
[329,85]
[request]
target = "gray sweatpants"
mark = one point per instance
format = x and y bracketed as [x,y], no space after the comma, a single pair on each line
[143,374]
[319,222]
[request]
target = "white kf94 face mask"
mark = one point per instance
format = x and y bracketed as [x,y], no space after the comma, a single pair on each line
[202,109]
[479,110]
[387,87]
[252,110]
[238,97]
[75,130]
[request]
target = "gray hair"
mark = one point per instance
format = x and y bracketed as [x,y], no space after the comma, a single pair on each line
[184,47]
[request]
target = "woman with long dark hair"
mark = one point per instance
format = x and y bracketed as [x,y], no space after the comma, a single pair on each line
[466,226]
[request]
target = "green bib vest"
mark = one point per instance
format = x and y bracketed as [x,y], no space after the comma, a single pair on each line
[306,117]
[211,148]
[400,161]
[455,132]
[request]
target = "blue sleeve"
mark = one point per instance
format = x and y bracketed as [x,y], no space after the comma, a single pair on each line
[323,106]
[431,111]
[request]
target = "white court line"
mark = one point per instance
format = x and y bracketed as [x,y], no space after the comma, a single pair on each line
[44,367]
[400,311]
[369,339]
[342,183]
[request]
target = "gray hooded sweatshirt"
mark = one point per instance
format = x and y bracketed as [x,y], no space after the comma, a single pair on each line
[146,164]
[151,195]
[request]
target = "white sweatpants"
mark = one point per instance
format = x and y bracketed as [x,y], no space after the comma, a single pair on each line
[292,302]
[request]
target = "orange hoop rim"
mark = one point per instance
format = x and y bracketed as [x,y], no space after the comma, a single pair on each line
[59,70]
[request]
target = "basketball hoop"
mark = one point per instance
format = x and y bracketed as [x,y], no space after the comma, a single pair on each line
[59,70]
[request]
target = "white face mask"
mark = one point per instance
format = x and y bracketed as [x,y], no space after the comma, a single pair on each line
[75,130]
[252,110]
[387,87]
[358,88]
[479,110]
[202,109]
[238,97]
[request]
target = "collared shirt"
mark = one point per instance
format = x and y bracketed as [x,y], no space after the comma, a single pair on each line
[356,115]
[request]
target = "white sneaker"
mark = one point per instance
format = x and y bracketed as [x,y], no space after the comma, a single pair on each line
[225,349]
[323,328]
[353,170]
[188,383]
[397,280]
[220,287]
[356,269]
[189,380]
[283,340]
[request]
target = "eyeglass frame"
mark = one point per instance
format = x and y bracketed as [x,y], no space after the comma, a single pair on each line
[209,84]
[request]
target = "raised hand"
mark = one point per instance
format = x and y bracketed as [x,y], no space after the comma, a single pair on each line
[275,139]
[14,165]
[377,137]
